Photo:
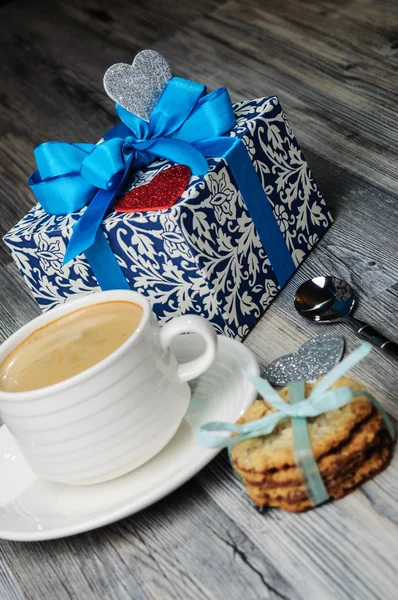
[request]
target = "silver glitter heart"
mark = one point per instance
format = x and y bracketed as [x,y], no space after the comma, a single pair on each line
[138,87]
[313,359]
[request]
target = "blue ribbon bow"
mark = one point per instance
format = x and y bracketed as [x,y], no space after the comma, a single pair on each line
[186,126]
[321,400]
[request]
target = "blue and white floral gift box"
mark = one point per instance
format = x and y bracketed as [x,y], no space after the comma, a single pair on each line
[203,255]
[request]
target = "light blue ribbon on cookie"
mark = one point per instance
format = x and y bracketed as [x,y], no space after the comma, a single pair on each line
[321,400]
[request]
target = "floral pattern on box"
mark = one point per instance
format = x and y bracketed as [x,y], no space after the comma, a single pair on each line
[203,255]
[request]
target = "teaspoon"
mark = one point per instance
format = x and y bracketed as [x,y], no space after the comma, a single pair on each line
[331,300]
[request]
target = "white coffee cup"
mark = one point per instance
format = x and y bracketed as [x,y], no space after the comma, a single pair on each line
[114,416]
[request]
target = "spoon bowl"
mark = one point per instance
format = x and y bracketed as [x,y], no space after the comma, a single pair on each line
[330,300]
[324,299]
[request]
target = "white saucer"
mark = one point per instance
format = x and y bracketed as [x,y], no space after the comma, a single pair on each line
[32,509]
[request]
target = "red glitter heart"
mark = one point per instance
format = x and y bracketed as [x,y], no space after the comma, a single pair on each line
[162,192]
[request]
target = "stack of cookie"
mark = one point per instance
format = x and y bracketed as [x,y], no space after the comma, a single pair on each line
[351,445]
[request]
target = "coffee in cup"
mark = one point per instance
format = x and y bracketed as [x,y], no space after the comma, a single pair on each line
[69,345]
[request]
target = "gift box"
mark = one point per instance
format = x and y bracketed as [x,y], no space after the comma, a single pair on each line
[204,254]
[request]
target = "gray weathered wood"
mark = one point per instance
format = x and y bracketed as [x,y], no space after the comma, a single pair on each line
[333,65]
[8,586]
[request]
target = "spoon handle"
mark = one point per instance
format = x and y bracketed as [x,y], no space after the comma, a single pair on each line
[370,334]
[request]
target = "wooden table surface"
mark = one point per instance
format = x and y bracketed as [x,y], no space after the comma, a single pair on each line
[333,64]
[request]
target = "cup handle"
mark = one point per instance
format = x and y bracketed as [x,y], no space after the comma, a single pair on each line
[191,324]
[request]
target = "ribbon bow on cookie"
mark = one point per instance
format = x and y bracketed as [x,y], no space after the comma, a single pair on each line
[321,400]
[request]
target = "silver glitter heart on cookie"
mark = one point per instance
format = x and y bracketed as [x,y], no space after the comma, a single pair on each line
[312,360]
[138,87]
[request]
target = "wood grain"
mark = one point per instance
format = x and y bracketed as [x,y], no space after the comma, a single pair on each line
[8,586]
[338,88]
[334,66]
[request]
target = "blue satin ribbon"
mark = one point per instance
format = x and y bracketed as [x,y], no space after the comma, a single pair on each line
[305,462]
[321,400]
[186,126]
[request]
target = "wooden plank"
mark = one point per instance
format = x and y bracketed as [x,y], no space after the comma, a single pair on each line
[9,588]
[17,305]
[338,91]
[166,552]
[343,550]
[362,243]
[137,22]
